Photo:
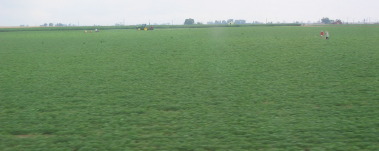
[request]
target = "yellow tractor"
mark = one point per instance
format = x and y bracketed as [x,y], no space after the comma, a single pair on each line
[144,27]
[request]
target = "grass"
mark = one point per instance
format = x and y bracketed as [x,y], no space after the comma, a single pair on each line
[12,29]
[246,88]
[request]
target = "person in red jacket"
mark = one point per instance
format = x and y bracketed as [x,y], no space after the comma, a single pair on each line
[322,34]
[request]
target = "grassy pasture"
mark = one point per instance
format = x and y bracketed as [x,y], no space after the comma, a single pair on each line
[11,29]
[246,88]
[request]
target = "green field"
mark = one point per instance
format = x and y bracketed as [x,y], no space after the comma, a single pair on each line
[203,89]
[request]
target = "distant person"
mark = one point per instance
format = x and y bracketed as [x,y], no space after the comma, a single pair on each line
[322,34]
[327,35]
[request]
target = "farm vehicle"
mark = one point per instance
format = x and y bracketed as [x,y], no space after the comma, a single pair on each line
[145,27]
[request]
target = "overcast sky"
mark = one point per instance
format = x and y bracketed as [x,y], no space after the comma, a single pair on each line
[131,12]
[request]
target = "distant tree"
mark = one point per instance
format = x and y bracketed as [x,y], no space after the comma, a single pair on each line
[51,24]
[224,22]
[189,21]
[338,21]
[240,22]
[59,25]
[230,21]
[326,20]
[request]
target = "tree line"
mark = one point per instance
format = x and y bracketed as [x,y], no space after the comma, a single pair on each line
[56,25]
[326,20]
[191,21]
